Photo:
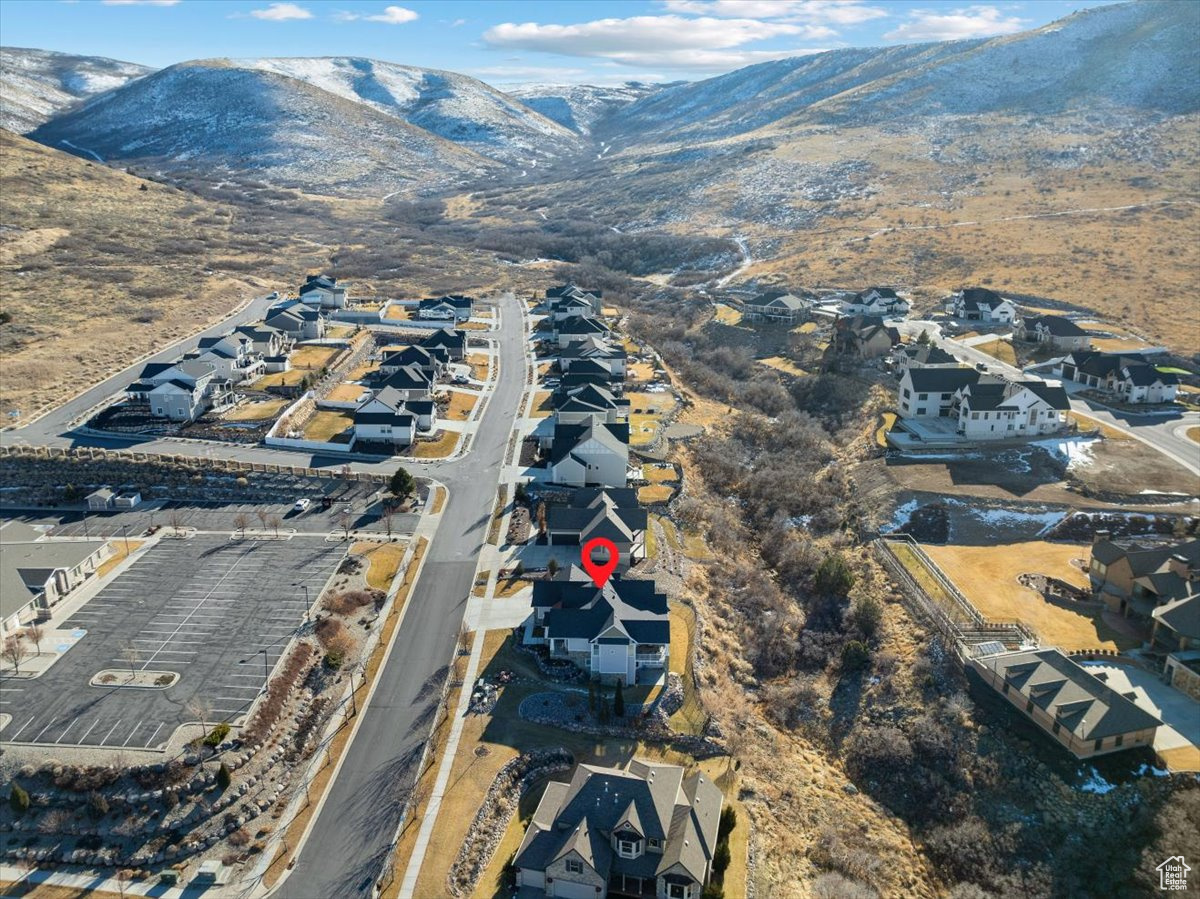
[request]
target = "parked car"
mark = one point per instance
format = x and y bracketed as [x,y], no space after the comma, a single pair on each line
[461,379]
[302,504]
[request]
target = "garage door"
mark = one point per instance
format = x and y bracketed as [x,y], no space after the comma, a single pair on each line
[613,659]
[567,890]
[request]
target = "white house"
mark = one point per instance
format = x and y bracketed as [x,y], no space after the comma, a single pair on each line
[233,356]
[385,418]
[577,327]
[1127,378]
[929,392]
[881,301]
[978,304]
[597,348]
[324,292]
[994,409]
[36,572]
[180,391]
[448,308]
[778,305]
[594,454]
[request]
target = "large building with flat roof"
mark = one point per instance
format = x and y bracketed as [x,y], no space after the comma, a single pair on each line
[36,571]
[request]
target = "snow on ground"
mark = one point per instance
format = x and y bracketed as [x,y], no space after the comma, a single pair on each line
[902,514]
[1096,784]
[1075,451]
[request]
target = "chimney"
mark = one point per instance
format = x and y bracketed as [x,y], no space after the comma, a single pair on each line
[1098,536]
[1178,564]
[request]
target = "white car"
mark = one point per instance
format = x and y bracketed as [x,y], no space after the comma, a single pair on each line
[302,505]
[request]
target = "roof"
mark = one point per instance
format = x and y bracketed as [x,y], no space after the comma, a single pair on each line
[978,298]
[1077,700]
[1052,393]
[656,800]
[445,337]
[614,437]
[319,282]
[455,300]
[941,380]
[1181,615]
[1145,558]
[778,299]
[409,377]
[583,610]
[928,354]
[577,324]
[599,512]
[887,293]
[26,566]
[1056,325]
[591,346]
[409,355]
[1143,374]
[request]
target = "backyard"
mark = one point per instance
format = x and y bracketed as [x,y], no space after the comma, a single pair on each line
[256,410]
[784,365]
[346,393]
[324,425]
[314,358]
[646,411]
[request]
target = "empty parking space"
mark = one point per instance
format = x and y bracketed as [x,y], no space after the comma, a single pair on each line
[218,613]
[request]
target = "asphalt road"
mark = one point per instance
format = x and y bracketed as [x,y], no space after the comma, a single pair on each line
[351,838]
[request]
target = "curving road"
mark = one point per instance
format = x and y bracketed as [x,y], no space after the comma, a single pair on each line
[351,837]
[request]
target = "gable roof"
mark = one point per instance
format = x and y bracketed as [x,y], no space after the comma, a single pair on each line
[599,512]
[319,282]
[941,380]
[778,299]
[585,611]
[1181,615]
[928,354]
[1077,700]
[577,324]
[445,337]
[409,377]
[567,438]
[977,298]
[1056,325]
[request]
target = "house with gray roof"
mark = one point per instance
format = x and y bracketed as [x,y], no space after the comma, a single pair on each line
[648,829]
[613,513]
[922,355]
[1055,331]
[448,344]
[621,631]
[179,391]
[1067,701]
[1128,378]
[576,327]
[999,409]
[880,301]
[590,454]
[323,291]
[454,307]
[36,572]
[979,304]
[594,348]
[586,402]
[1134,575]
[778,306]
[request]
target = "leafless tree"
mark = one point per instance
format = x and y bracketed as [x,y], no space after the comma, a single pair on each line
[14,651]
[175,519]
[541,518]
[275,522]
[36,632]
[388,514]
[263,516]
[345,520]
[240,521]
[202,709]
[130,654]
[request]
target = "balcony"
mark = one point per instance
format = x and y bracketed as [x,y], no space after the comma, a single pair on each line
[651,658]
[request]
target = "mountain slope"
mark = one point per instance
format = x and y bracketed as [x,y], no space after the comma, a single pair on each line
[452,106]
[216,117]
[580,106]
[36,85]
[1128,56]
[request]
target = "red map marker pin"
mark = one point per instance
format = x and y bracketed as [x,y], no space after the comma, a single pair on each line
[600,571]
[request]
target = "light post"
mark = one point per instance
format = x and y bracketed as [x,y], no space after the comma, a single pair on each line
[266,668]
[125,535]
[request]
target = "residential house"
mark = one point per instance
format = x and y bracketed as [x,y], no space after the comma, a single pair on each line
[450,343]
[179,391]
[393,359]
[582,374]
[997,409]
[37,572]
[576,327]
[978,304]
[588,402]
[590,454]
[324,292]
[601,369]
[233,356]
[643,830]
[388,418]
[862,336]
[876,301]
[611,632]
[411,381]
[929,392]
[568,299]
[1067,701]
[1135,575]
[448,308]
[1127,378]
[1053,331]
[594,348]
[297,320]
[777,306]
[270,343]
[600,512]
[921,355]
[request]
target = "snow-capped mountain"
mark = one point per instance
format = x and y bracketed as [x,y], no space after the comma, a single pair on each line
[36,85]
[453,106]
[215,116]
[580,106]
[1127,56]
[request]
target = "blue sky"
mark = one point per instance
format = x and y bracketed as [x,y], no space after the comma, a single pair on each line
[506,42]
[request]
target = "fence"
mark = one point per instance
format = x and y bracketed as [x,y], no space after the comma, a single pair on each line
[954,615]
[129,456]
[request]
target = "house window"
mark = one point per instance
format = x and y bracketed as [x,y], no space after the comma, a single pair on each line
[907,393]
[574,866]
[679,891]
[975,416]
[1099,743]
[1120,740]
[1056,728]
[629,848]
[654,844]
[922,396]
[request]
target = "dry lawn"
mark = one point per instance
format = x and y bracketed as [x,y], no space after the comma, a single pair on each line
[324,425]
[314,358]
[362,371]
[122,549]
[279,379]
[987,576]
[260,410]
[1118,344]
[383,559]
[656,493]
[641,371]
[473,326]
[439,500]
[806,328]
[399,313]
[511,586]
[346,393]
[784,365]
[656,475]
[541,405]
[1193,434]
[886,423]
[461,405]
[727,315]
[1000,349]
[479,363]
[436,449]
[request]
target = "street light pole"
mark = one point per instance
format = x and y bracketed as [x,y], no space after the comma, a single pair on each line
[125,534]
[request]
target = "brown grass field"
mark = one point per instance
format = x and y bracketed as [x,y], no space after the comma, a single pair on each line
[786,366]
[1001,349]
[461,405]
[727,315]
[384,560]
[314,358]
[260,410]
[121,550]
[326,425]
[346,393]
[436,449]
[541,405]
[656,493]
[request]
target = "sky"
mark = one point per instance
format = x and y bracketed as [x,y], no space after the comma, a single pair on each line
[501,42]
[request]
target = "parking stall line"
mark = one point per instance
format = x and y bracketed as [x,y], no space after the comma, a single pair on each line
[89,730]
[136,728]
[22,727]
[64,733]
[150,742]
[42,731]
[109,734]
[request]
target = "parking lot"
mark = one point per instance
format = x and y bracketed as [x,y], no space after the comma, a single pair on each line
[218,612]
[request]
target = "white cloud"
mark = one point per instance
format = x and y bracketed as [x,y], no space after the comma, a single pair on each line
[828,12]
[393,15]
[669,40]
[973,21]
[281,12]
[139,2]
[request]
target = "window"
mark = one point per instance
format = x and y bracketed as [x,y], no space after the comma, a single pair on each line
[975,416]
[920,410]
[629,848]
[1029,707]
[679,891]
[1120,740]
[922,396]
[907,393]
[1099,743]
[574,866]
[654,844]
[1056,728]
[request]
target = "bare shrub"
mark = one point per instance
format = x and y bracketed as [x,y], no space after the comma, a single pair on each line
[328,630]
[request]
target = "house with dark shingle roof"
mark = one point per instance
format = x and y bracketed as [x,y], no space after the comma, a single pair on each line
[588,402]
[997,409]
[576,327]
[1134,575]
[1054,331]
[448,342]
[392,359]
[649,829]
[389,416]
[411,381]
[323,291]
[1074,706]
[37,572]
[179,391]
[979,304]
[1129,378]
[880,301]
[570,300]
[613,513]
[454,307]
[922,355]
[612,632]
[929,392]
[590,454]
[596,348]
[297,320]
[779,306]
[862,336]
